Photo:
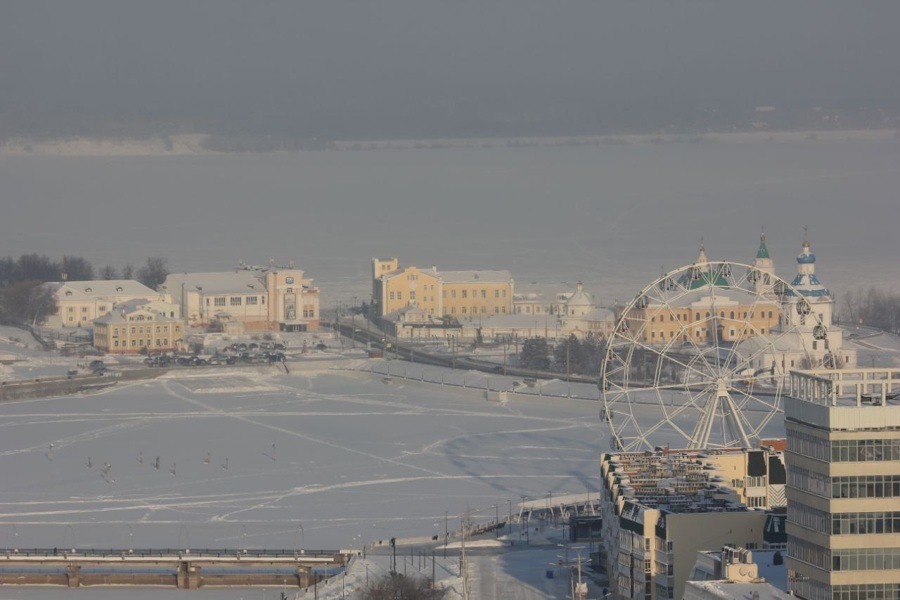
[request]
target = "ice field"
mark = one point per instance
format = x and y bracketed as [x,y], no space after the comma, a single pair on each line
[252,459]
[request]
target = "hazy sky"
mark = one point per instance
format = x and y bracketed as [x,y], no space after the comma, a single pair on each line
[304,63]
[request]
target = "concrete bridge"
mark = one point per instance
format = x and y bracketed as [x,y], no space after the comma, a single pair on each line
[184,569]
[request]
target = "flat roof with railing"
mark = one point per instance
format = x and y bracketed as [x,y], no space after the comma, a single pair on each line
[850,399]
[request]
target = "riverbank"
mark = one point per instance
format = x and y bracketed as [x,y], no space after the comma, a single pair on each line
[195,144]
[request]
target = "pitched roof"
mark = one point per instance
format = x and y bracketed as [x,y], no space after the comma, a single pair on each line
[224,282]
[102,288]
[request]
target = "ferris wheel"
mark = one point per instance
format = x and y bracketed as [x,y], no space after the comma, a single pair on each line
[700,358]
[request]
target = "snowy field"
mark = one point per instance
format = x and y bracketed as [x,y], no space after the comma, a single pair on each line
[323,460]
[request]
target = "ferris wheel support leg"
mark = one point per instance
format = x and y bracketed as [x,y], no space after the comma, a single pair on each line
[700,436]
[732,418]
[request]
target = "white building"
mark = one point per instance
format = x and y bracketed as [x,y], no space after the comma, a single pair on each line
[78,303]
[259,298]
[806,336]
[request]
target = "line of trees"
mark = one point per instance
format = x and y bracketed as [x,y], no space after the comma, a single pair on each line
[572,355]
[873,307]
[23,297]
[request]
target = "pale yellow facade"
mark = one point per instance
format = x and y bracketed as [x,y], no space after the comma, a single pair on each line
[138,330]
[702,324]
[411,286]
[459,294]
[477,299]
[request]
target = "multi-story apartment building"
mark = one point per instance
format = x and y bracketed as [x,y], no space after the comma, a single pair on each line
[136,326]
[459,294]
[78,303]
[660,508]
[260,298]
[843,492]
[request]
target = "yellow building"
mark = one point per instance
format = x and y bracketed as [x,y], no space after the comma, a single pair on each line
[398,288]
[134,327]
[460,294]
[477,294]
[260,298]
[80,302]
[710,311]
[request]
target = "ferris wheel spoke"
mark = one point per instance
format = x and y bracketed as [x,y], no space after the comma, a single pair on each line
[637,343]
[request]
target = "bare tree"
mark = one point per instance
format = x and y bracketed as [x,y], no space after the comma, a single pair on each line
[154,273]
[77,268]
[26,302]
[108,272]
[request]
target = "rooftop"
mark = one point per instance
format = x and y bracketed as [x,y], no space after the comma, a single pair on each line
[475,276]
[102,288]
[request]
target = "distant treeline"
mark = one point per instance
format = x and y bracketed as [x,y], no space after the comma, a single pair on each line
[24,299]
[296,129]
[873,307]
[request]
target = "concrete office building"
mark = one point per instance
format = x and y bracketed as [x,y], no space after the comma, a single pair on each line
[843,492]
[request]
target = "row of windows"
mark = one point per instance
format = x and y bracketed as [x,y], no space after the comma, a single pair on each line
[865,450]
[140,330]
[855,523]
[140,343]
[731,315]
[808,481]
[484,293]
[866,591]
[805,444]
[463,310]
[809,553]
[865,559]
[237,300]
[853,486]
[866,486]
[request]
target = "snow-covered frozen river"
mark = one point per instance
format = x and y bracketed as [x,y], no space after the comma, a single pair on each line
[322,460]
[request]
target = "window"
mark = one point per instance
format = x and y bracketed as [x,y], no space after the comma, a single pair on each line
[465,293]
[219,301]
[235,301]
[392,296]
[463,309]
[399,295]
[496,293]
[252,300]
[412,295]
[453,294]
[484,293]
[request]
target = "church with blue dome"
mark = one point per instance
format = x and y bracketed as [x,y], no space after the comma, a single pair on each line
[810,338]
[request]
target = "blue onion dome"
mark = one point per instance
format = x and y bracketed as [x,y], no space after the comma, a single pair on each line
[806,257]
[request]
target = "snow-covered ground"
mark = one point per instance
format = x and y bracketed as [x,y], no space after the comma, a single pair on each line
[319,460]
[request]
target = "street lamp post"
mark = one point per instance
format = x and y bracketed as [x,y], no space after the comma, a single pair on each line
[446,533]
[496,521]
[509,517]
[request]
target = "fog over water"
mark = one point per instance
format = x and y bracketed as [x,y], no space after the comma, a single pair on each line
[609,215]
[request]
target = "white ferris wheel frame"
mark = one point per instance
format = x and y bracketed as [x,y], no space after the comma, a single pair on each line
[715,404]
